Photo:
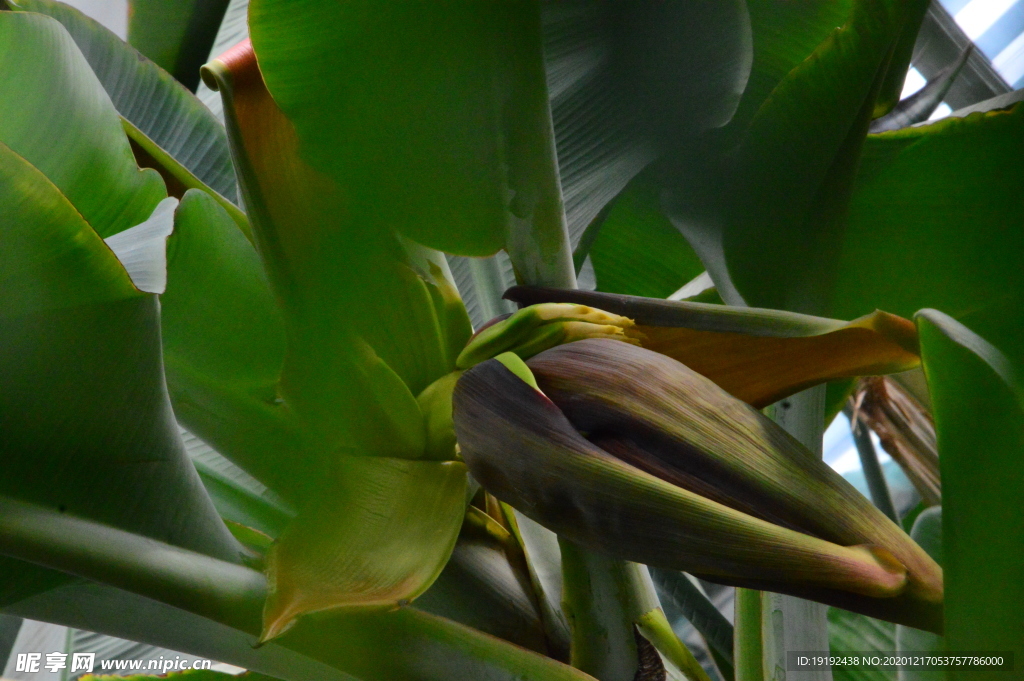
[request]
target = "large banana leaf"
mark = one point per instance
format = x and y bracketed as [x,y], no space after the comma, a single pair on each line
[850,634]
[54,101]
[629,83]
[637,250]
[797,159]
[238,497]
[979,422]
[932,215]
[85,406]
[223,337]
[98,608]
[224,342]
[935,221]
[175,34]
[162,114]
[366,333]
[426,115]
[622,83]
[784,34]
[222,321]
[353,306]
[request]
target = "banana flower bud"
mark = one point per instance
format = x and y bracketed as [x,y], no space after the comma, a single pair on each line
[629,452]
[545,325]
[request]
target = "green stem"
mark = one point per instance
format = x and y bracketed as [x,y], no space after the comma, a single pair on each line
[376,646]
[538,237]
[790,623]
[192,581]
[747,651]
[490,284]
[603,598]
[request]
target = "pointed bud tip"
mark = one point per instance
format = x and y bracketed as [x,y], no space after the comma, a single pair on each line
[890,577]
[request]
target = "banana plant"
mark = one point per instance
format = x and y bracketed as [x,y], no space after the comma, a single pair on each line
[389,489]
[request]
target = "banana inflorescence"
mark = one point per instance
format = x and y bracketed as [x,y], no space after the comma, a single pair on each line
[629,452]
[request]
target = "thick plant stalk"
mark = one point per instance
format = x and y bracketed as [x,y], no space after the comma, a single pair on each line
[748,650]
[538,245]
[603,597]
[538,236]
[787,622]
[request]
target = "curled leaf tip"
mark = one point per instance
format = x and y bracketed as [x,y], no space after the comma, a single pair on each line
[889,576]
[237,62]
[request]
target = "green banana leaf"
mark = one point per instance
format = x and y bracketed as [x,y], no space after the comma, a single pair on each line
[690,601]
[220,317]
[783,35]
[603,85]
[423,102]
[797,160]
[237,496]
[333,283]
[376,539]
[142,249]
[177,35]
[931,219]
[98,608]
[162,115]
[480,282]
[629,83]
[54,101]
[638,251]
[850,633]
[948,194]
[224,341]
[977,404]
[84,402]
